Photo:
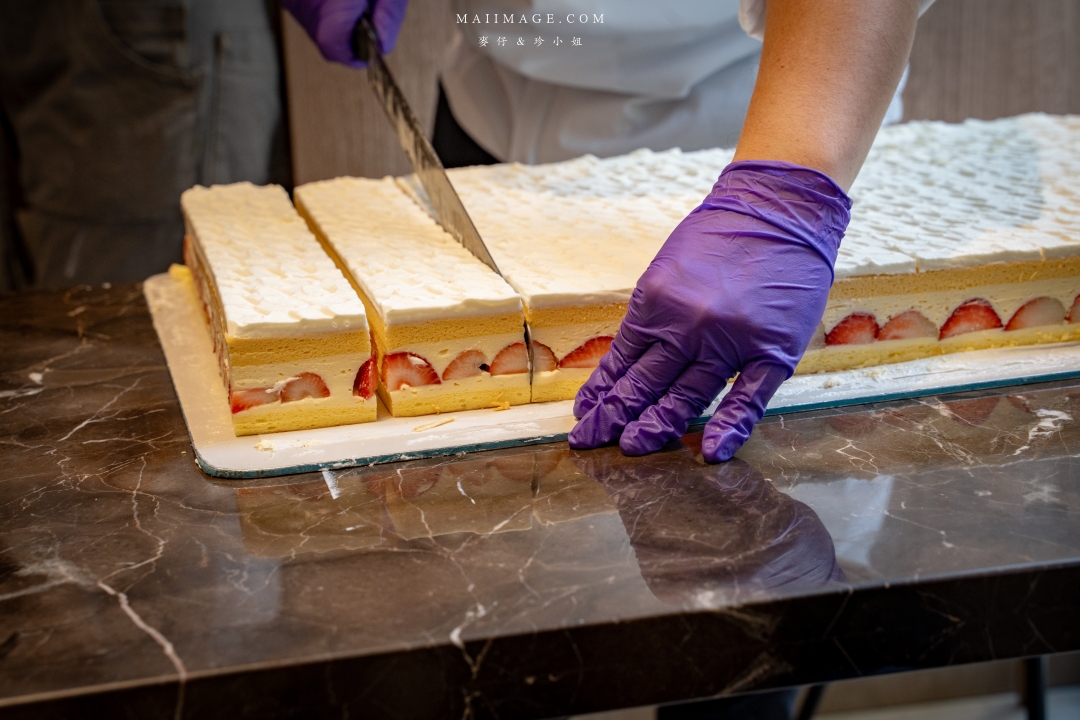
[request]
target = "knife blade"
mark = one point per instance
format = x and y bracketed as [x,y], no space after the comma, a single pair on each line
[425,163]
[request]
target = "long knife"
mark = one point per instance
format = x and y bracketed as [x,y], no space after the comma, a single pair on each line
[425,163]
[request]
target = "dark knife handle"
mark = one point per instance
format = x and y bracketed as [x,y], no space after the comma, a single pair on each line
[365,42]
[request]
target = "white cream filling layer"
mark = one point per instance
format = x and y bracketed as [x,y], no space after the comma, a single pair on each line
[938,306]
[564,339]
[440,354]
[337,371]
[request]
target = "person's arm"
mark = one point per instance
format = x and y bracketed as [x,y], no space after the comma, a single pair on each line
[740,287]
[828,71]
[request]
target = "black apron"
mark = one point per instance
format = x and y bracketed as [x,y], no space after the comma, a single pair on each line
[117,107]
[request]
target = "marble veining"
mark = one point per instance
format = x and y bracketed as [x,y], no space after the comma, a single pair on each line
[529,582]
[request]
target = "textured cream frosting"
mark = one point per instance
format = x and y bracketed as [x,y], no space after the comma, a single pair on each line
[273,278]
[582,231]
[930,196]
[933,195]
[408,266]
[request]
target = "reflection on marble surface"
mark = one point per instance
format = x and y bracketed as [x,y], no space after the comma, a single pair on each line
[386,507]
[517,583]
[708,536]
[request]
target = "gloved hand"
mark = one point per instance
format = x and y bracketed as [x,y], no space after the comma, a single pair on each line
[739,287]
[330,24]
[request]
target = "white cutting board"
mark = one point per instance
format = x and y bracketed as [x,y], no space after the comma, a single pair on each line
[194,370]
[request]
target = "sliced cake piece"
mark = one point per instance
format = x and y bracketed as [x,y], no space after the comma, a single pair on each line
[449,332]
[290,333]
[573,238]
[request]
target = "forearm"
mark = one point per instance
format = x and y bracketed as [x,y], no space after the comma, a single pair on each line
[829,69]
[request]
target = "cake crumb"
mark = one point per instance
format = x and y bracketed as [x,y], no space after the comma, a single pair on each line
[501,405]
[831,383]
[437,423]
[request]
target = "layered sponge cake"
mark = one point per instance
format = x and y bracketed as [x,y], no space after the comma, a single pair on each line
[449,333]
[573,238]
[289,332]
[962,237]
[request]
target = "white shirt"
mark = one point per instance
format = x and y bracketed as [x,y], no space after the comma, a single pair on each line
[646,73]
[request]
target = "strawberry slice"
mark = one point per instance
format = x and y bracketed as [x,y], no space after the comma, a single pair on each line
[1036,313]
[972,316]
[364,384]
[511,360]
[906,326]
[589,354]
[407,369]
[466,365]
[856,329]
[242,400]
[304,385]
[1074,311]
[543,359]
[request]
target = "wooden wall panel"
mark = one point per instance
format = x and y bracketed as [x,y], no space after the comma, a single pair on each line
[336,125]
[994,58]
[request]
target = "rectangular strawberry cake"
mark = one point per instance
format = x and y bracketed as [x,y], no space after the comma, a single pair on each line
[449,333]
[962,236]
[289,332]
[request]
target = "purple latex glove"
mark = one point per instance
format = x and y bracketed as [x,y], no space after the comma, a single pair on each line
[739,287]
[330,23]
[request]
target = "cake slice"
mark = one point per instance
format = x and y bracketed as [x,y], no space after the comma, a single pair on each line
[573,238]
[290,334]
[449,332]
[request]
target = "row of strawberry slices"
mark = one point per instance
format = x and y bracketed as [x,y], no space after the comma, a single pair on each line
[405,369]
[408,369]
[977,314]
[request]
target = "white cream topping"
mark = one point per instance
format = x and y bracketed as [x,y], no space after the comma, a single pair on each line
[931,195]
[582,231]
[273,279]
[410,268]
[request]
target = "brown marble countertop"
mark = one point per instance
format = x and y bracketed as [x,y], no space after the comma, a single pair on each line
[520,583]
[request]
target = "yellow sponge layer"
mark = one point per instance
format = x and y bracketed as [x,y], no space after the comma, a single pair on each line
[561,384]
[554,317]
[303,415]
[475,393]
